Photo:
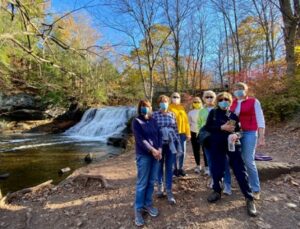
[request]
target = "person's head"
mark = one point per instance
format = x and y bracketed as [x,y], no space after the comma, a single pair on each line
[240,90]
[224,100]
[144,107]
[163,102]
[209,98]
[197,104]
[176,98]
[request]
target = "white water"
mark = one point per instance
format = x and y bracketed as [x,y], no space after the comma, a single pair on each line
[101,123]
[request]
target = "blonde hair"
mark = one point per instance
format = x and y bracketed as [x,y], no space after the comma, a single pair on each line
[161,97]
[211,93]
[241,85]
[224,95]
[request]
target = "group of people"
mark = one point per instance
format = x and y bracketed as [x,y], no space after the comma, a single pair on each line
[228,131]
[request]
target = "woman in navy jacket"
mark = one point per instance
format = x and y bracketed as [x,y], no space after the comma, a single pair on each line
[148,153]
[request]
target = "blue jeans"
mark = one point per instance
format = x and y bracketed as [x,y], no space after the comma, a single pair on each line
[227,175]
[179,160]
[147,167]
[248,142]
[167,162]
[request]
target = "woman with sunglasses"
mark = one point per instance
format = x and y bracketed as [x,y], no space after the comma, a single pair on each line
[193,120]
[148,146]
[183,130]
[249,111]
[209,98]
[224,127]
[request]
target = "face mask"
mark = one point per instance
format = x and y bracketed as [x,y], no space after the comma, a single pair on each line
[196,105]
[145,110]
[163,106]
[223,104]
[239,93]
[176,101]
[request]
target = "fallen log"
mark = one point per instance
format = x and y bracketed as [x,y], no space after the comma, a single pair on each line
[9,197]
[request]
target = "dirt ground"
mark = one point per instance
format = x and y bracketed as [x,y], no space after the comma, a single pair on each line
[73,205]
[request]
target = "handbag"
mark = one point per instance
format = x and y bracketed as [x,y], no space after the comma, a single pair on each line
[203,135]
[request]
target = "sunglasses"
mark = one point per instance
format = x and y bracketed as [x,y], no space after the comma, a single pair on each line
[223,99]
[176,97]
[196,102]
[209,97]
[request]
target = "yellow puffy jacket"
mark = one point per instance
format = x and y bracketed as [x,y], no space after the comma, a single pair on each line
[181,119]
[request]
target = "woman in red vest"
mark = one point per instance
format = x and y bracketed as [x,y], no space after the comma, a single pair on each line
[250,113]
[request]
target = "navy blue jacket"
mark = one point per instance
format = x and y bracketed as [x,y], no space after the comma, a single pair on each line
[147,135]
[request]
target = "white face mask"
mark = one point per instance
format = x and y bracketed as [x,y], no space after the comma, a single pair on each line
[176,100]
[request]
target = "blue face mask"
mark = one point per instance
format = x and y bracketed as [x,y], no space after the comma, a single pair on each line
[145,110]
[239,93]
[163,106]
[223,104]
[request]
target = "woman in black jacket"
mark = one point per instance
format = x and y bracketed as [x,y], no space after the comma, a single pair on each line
[224,128]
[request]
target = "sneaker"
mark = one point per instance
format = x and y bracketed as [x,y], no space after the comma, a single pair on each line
[251,210]
[160,191]
[206,171]
[181,172]
[256,195]
[139,220]
[152,211]
[171,198]
[197,169]
[227,189]
[213,197]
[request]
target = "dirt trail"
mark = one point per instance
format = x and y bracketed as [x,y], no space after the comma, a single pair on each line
[70,205]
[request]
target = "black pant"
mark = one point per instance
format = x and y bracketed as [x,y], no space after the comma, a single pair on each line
[218,156]
[196,147]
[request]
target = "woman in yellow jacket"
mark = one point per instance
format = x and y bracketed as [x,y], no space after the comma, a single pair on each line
[183,130]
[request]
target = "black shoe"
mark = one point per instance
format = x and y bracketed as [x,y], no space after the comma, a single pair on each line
[176,172]
[213,197]
[181,172]
[251,209]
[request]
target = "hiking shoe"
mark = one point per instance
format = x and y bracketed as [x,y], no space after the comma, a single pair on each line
[171,198]
[213,197]
[176,172]
[181,173]
[227,189]
[160,191]
[256,195]
[139,220]
[251,210]
[206,171]
[197,169]
[152,211]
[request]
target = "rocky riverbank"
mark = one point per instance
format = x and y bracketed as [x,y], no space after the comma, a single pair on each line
[101,196]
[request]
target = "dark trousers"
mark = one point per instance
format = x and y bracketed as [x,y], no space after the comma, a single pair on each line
[196,147]
[218,157]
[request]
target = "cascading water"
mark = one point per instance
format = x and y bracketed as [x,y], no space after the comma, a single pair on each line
[102,123]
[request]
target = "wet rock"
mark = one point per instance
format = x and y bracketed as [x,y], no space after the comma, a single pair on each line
[4,176]
[88,158]
[118,140]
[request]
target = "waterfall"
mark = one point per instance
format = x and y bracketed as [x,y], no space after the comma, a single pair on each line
[102,123]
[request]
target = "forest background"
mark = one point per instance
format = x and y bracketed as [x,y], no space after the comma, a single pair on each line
[96,51]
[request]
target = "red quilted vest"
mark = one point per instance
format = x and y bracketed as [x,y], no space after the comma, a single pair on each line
[247,115]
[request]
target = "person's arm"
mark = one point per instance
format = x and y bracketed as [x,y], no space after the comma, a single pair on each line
[187,127]
[211,124]
[139,137]
[260,120]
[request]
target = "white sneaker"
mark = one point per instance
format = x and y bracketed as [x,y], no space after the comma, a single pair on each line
[206,171]
[197,169]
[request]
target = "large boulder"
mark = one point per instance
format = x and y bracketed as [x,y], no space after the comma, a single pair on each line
[19,101]
[269,170]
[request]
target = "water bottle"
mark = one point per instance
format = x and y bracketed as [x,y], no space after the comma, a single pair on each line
[231,144]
